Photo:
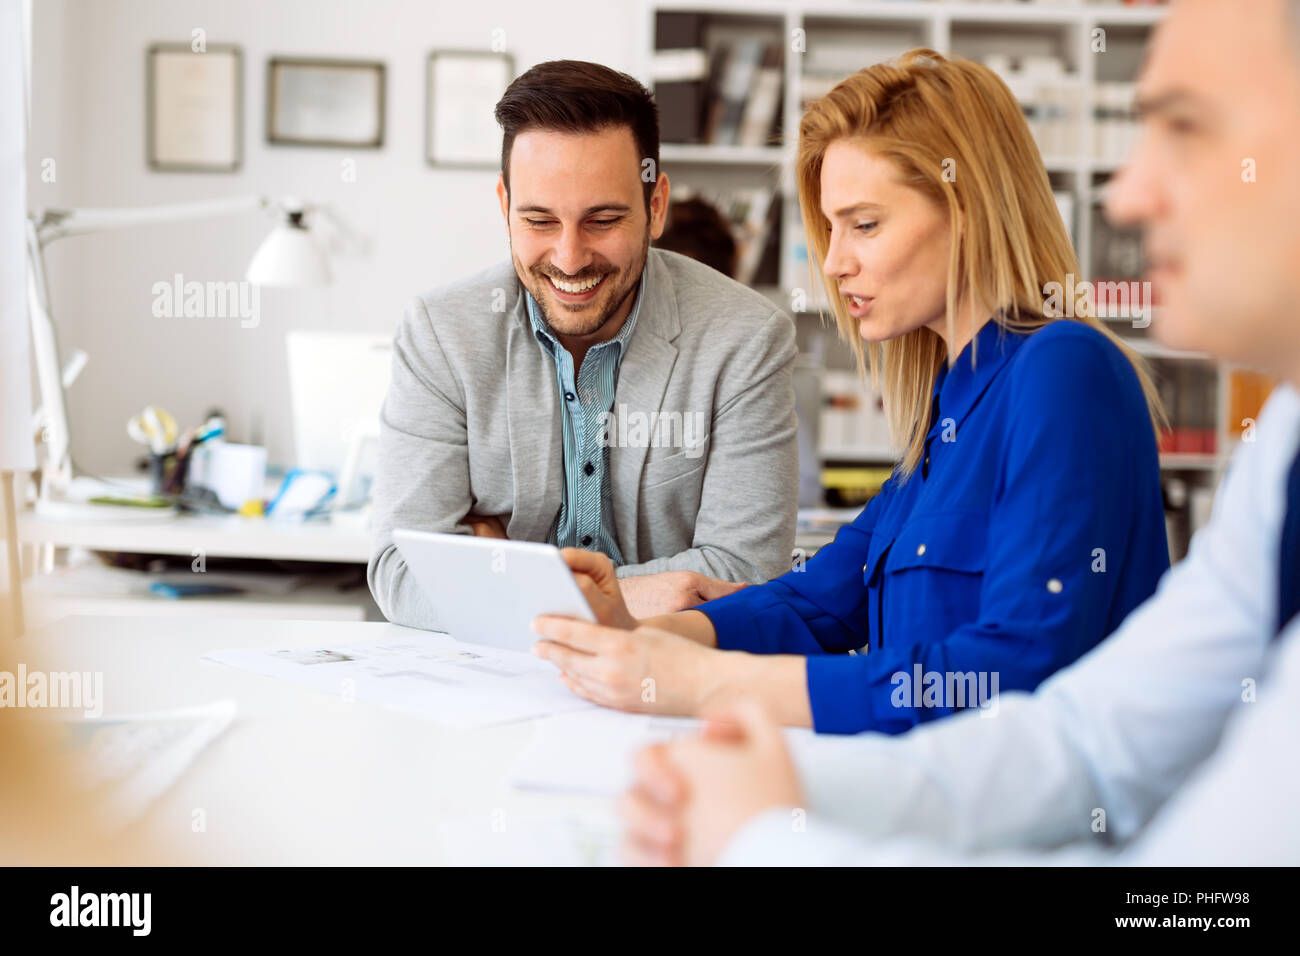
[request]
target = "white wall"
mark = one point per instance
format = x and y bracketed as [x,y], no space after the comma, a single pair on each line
[426,226]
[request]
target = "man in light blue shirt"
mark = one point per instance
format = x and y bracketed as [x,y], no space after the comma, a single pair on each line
[1173,741]
[590,390]
[586,515]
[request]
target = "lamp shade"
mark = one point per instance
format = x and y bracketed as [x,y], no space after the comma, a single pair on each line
[289,257]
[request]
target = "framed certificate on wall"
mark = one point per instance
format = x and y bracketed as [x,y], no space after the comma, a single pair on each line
[194,108]
[462,89]
[314,102]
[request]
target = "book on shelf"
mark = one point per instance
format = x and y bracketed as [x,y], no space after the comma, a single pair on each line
[1189,391]
[680,74]
[727,102]
[758,118]
[718,89]
[753,231]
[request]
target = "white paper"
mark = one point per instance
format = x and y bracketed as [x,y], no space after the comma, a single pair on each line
[130,760]
[432,676]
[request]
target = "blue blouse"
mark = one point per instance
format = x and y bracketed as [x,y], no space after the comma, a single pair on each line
[1034,526]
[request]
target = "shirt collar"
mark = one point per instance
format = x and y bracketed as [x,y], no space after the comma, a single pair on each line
[957,388]
[620,340]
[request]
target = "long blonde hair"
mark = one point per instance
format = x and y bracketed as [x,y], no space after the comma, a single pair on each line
[1007,238]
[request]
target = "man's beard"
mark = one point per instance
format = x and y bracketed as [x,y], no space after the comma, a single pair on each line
[613,297]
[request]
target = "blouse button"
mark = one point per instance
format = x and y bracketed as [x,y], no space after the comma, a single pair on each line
[920,550]
[1055,586]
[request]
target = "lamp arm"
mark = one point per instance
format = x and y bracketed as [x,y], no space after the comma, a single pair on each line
[45,353]
[56,223]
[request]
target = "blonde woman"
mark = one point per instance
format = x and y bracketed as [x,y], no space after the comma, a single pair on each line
[1024,518]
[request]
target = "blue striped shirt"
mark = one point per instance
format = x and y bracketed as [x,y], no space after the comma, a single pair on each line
[586,516]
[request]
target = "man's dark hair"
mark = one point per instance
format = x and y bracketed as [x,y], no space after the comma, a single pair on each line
[573,96]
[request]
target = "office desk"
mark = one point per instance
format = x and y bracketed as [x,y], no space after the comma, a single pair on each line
[97,590]
[229,536]
[235,536]
[301,777]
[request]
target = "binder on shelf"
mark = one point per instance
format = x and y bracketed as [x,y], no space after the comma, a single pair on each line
[680,73]
[754,226]
[733,91]
[760,113]
[1189,391]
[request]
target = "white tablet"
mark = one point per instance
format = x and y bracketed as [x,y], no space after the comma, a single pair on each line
[488,590]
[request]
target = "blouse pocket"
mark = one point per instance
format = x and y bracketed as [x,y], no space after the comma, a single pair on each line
[933,575]
[952,541]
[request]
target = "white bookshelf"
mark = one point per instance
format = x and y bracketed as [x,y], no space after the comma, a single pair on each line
[1064,30]
[949,26]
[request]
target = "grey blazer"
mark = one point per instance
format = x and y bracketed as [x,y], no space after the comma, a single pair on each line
[471,423]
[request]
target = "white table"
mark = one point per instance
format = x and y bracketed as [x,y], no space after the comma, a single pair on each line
[302,777]
[235,536]
[88,589]
[214,535]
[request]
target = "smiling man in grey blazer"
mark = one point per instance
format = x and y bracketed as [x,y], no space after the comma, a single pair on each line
[592,392]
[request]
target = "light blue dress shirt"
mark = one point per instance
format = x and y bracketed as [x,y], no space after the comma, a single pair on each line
[1179,728]
[586,516]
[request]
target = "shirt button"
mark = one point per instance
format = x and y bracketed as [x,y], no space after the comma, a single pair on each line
[586,539]
[920,550]
[1055,586]
[589,468]
[569,396]
[864,569]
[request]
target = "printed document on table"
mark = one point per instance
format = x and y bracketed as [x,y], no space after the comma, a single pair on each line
[127,762]
[434,676]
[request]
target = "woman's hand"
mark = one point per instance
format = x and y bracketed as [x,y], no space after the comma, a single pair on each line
[645,670]
[691,797]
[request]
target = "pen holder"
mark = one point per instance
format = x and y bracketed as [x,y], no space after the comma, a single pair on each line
[160,471]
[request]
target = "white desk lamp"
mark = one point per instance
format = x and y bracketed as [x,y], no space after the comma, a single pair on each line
[288,257]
